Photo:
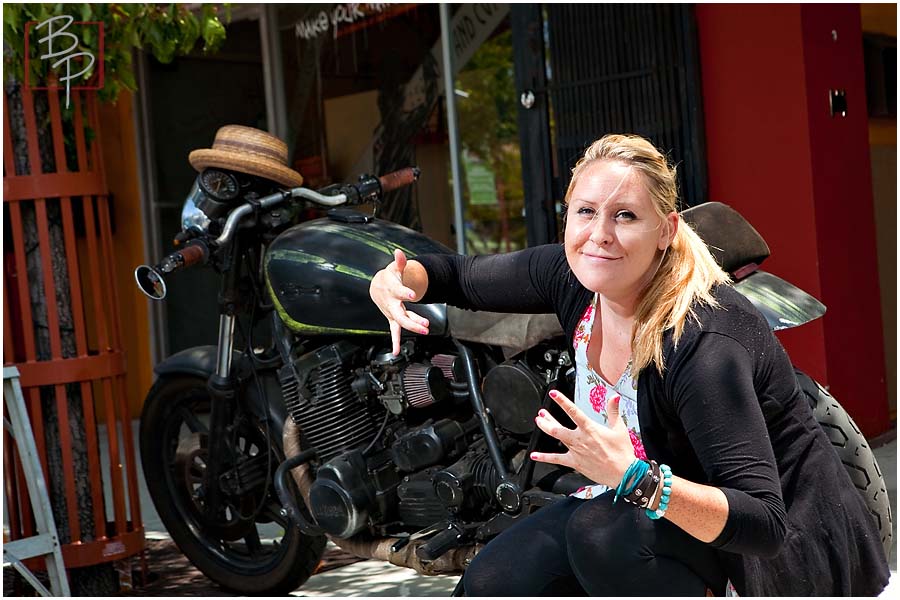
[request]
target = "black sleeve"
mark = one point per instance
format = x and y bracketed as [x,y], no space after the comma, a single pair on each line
[527,281]
[716,401]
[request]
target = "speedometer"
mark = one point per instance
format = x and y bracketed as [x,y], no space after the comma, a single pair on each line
[220,185]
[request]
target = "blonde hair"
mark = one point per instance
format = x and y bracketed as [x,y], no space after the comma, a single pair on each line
[687,271]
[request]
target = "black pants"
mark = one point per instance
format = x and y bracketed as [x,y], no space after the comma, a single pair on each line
[594,547]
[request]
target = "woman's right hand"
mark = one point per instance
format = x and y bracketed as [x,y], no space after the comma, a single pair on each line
[389,294]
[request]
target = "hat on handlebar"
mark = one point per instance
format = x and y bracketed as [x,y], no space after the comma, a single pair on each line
[248,150]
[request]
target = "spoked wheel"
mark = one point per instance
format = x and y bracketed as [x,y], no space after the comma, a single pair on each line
[244,543]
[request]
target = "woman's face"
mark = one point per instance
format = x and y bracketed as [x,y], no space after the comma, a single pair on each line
[614,236]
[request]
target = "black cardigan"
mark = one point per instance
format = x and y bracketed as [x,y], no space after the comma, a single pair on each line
[727,411]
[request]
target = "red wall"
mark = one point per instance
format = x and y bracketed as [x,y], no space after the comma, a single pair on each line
[802,177]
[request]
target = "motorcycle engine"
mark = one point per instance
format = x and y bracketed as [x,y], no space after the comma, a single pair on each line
[353,416]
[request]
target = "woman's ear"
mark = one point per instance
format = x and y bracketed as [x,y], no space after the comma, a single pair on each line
[668,230]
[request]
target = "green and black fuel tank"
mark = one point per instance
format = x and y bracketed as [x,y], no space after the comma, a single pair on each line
[318,273]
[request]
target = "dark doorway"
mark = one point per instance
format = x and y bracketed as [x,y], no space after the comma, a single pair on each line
[188,100]
[607,68]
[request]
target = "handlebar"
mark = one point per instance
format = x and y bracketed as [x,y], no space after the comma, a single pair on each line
[367,189]
[399,179]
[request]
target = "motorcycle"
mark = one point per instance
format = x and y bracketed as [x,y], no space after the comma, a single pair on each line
[255,452]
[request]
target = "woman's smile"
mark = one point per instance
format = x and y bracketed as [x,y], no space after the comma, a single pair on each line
[612,230]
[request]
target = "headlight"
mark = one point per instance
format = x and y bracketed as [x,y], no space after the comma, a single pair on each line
[191,215]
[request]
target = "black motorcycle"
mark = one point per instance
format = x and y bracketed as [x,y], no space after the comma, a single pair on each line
[255,452]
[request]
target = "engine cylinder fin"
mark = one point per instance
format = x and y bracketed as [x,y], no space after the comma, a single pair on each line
[333,420]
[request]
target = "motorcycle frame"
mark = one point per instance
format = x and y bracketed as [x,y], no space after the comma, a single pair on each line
[224,388]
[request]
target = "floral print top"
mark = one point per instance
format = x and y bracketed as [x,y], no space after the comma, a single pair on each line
[592,393]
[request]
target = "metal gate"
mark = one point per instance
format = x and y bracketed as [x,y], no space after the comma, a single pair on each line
[585,70]
[627,68]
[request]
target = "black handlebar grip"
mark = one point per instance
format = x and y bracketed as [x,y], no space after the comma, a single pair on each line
[398,179]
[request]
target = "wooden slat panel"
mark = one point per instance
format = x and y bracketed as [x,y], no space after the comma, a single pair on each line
[134,502]
[94,268]
[111,291]
[51,185]
[43,230]
[34,156]
[9,348]
[65,443]
[93,456]
[115,460]
[56,131]
[97,164]
[74,277]
[8,156]
[79,136]
[15,217]
[36,414]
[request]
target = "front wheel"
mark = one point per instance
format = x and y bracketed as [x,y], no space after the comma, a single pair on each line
[249,546]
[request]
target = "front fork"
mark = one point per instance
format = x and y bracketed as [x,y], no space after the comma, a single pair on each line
[221,386]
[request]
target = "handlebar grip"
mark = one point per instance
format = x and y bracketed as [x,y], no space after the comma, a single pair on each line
[399,179]
[193,254]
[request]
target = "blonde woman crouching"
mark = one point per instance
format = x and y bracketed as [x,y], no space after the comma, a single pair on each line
[682,393]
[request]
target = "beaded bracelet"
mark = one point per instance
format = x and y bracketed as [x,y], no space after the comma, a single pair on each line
[664,497]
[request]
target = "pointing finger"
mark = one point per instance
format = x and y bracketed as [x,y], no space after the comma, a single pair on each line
[395,336]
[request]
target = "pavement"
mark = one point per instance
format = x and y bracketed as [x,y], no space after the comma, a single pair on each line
[340,574]
[375,578]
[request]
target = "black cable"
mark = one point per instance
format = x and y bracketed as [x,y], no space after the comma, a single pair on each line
[387,414]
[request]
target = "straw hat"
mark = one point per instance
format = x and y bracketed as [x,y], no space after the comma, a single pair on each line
[248,150]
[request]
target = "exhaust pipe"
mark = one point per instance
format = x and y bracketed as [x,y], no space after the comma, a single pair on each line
[365,545]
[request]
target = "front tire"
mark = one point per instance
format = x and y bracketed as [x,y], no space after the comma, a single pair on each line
[253,549]
[854,451]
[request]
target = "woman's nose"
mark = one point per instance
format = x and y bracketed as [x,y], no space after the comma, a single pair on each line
[601,233]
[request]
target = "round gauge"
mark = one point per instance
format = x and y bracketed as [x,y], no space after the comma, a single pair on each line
[220,185]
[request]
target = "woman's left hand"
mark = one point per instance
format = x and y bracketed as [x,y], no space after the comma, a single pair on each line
[602,454]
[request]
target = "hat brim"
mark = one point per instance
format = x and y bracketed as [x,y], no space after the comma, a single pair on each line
[245,163]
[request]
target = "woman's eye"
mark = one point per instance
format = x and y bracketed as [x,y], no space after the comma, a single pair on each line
[585,210]
[625,215]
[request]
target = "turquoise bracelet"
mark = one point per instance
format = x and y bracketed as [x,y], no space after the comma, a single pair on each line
[630,479]
[664,496]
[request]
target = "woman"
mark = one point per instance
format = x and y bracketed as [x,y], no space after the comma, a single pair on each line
[672,366]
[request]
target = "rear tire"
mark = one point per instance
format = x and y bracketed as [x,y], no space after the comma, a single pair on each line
[856,455]
[265,555]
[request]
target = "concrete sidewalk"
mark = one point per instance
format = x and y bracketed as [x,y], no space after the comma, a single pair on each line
[374,578]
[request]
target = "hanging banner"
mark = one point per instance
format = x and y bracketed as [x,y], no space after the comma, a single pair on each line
[347,14]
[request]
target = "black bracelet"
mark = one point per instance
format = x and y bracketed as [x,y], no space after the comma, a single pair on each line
[642,493]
